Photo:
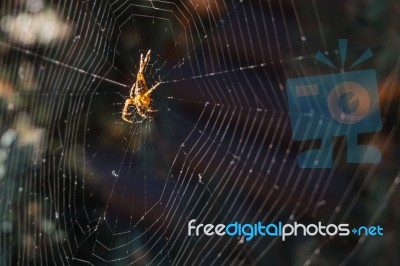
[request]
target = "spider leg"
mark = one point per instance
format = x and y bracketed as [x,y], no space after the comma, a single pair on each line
[141,64]
[125,111]
[140,113]
[150,91]
[153,88]
[126,119]
[144,61]
[133,89]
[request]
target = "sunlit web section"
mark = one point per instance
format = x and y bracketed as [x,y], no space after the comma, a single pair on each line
[98,190]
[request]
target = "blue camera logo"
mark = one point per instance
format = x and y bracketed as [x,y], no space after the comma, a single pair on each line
[339,104]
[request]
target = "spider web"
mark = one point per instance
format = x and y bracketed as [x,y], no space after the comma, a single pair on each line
[81,186]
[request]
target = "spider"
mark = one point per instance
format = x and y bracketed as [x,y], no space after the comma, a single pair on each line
[140,94]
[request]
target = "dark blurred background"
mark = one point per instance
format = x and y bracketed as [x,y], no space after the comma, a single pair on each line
[80,186]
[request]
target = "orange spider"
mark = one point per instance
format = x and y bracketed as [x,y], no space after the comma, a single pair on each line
[140,94]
